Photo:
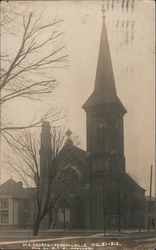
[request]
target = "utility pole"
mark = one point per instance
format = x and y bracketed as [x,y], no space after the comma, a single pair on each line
[155,176]
[150,198]
[151,183]
[104,209]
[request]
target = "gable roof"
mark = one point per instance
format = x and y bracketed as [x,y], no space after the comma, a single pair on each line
[69,150]
[79,154]
[13,189]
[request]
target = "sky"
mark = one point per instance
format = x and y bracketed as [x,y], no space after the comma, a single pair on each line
[131,39]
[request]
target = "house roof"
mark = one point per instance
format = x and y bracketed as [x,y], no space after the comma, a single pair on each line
[13,189]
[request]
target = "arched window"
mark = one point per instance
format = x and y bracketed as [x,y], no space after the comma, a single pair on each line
[101,164]
[102,136]
[107,167]
[95,165]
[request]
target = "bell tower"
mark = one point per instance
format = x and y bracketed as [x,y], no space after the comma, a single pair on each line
[104,113]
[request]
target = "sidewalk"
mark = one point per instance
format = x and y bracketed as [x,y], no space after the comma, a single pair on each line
[25,234]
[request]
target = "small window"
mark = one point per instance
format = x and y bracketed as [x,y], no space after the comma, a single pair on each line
[4,203]
[102,135]
[107,166]
[4,217]
[100,164]
[95,165]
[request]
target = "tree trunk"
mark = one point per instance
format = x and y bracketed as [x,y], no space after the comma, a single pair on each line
[119,225]
[36,226]
[50,219]
[64,219]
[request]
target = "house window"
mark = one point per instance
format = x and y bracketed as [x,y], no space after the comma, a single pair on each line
[4,216]
[27,204]
[4,203]
[27,218]
[100,200]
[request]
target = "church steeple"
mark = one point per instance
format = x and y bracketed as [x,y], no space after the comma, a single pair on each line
[104,111]
[104,90]
[104,74]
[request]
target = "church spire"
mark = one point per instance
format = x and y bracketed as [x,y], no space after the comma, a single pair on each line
[104,90]
[104,74]
[103,10]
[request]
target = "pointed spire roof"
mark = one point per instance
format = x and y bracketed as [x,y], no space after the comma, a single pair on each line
[104,90]
[104,73]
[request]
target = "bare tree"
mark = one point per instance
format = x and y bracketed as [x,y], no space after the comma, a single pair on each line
[47,176]
[27,73]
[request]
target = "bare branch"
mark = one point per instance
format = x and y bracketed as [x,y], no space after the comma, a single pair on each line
[45,87]
[52,114]
[4,82]
[20,75]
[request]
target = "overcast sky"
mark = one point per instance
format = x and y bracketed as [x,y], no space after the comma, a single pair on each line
[131,39]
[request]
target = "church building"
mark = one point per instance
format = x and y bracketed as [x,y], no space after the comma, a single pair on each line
[106,196]
[99,193]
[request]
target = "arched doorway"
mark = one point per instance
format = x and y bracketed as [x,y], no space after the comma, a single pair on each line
[67,205]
